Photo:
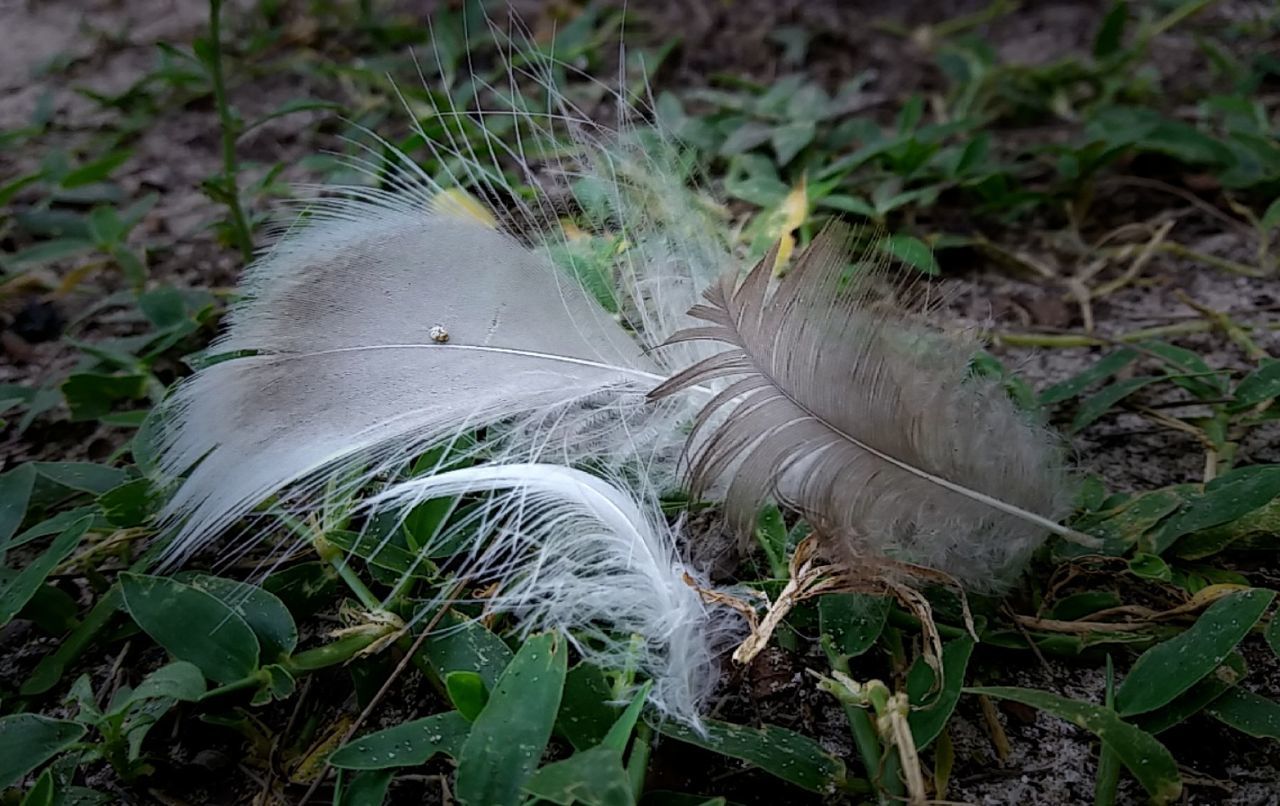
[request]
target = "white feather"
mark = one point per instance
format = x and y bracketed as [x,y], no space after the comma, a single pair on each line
[574,553]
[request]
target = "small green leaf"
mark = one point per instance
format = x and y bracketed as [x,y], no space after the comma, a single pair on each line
[47,252]
[790,756]
[406,745]
[586,709]
[912,251]
[131,504]
[1149,566]
[508,737]
[467,692]
[29,740]
[43,792]
[15,493]
[262,610]
[851,623]
[290,107]
[620,733]
[789,139]
[1168,669]
[592,777]
[1248,713]
[463,644]
[930,708]
[1258,386]
[1141,752]
[22,587]
[193,625]
[96,170]
[367,788]
[1271,216]
[1099,403]
[51,667]
[178,680]
[1110,35]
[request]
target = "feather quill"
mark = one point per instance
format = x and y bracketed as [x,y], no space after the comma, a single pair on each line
[867,420]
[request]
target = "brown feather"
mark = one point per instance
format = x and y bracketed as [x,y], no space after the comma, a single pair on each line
[865,418]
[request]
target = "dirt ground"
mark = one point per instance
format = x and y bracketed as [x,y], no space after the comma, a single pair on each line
[51,49]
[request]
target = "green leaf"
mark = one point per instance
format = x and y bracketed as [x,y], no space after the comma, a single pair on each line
[193,625]
[1122,527]
[15,493]
[1258,386]
[849,204]
[790,756]
[1191,702]
[620,733]
[288,108]
[1248,713]
[105,226]
[43,792]
[1227,498]
[1110,37]
[131,504]
[463,644]
[592,777]
[85,477]
[406,745]
[91,395]
[467,692]
[790,139]
[51,667]
[1099,403]
[931,709]
[1138,750]
[1271,216]
[1149,566]
[367,788]
[508,737]
[96,170]
[1168,669]
[29,740]
[22,587]
[912,251]
[851,623]
[262,610]
[586,709]
[178,680]
[47,252]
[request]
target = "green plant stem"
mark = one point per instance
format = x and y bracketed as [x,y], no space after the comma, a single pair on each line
[904,620]
[321,657]
[862,727]
[340,651]
[258,678]
[1108,780]
[638,759]
[339,561]
[230,131]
